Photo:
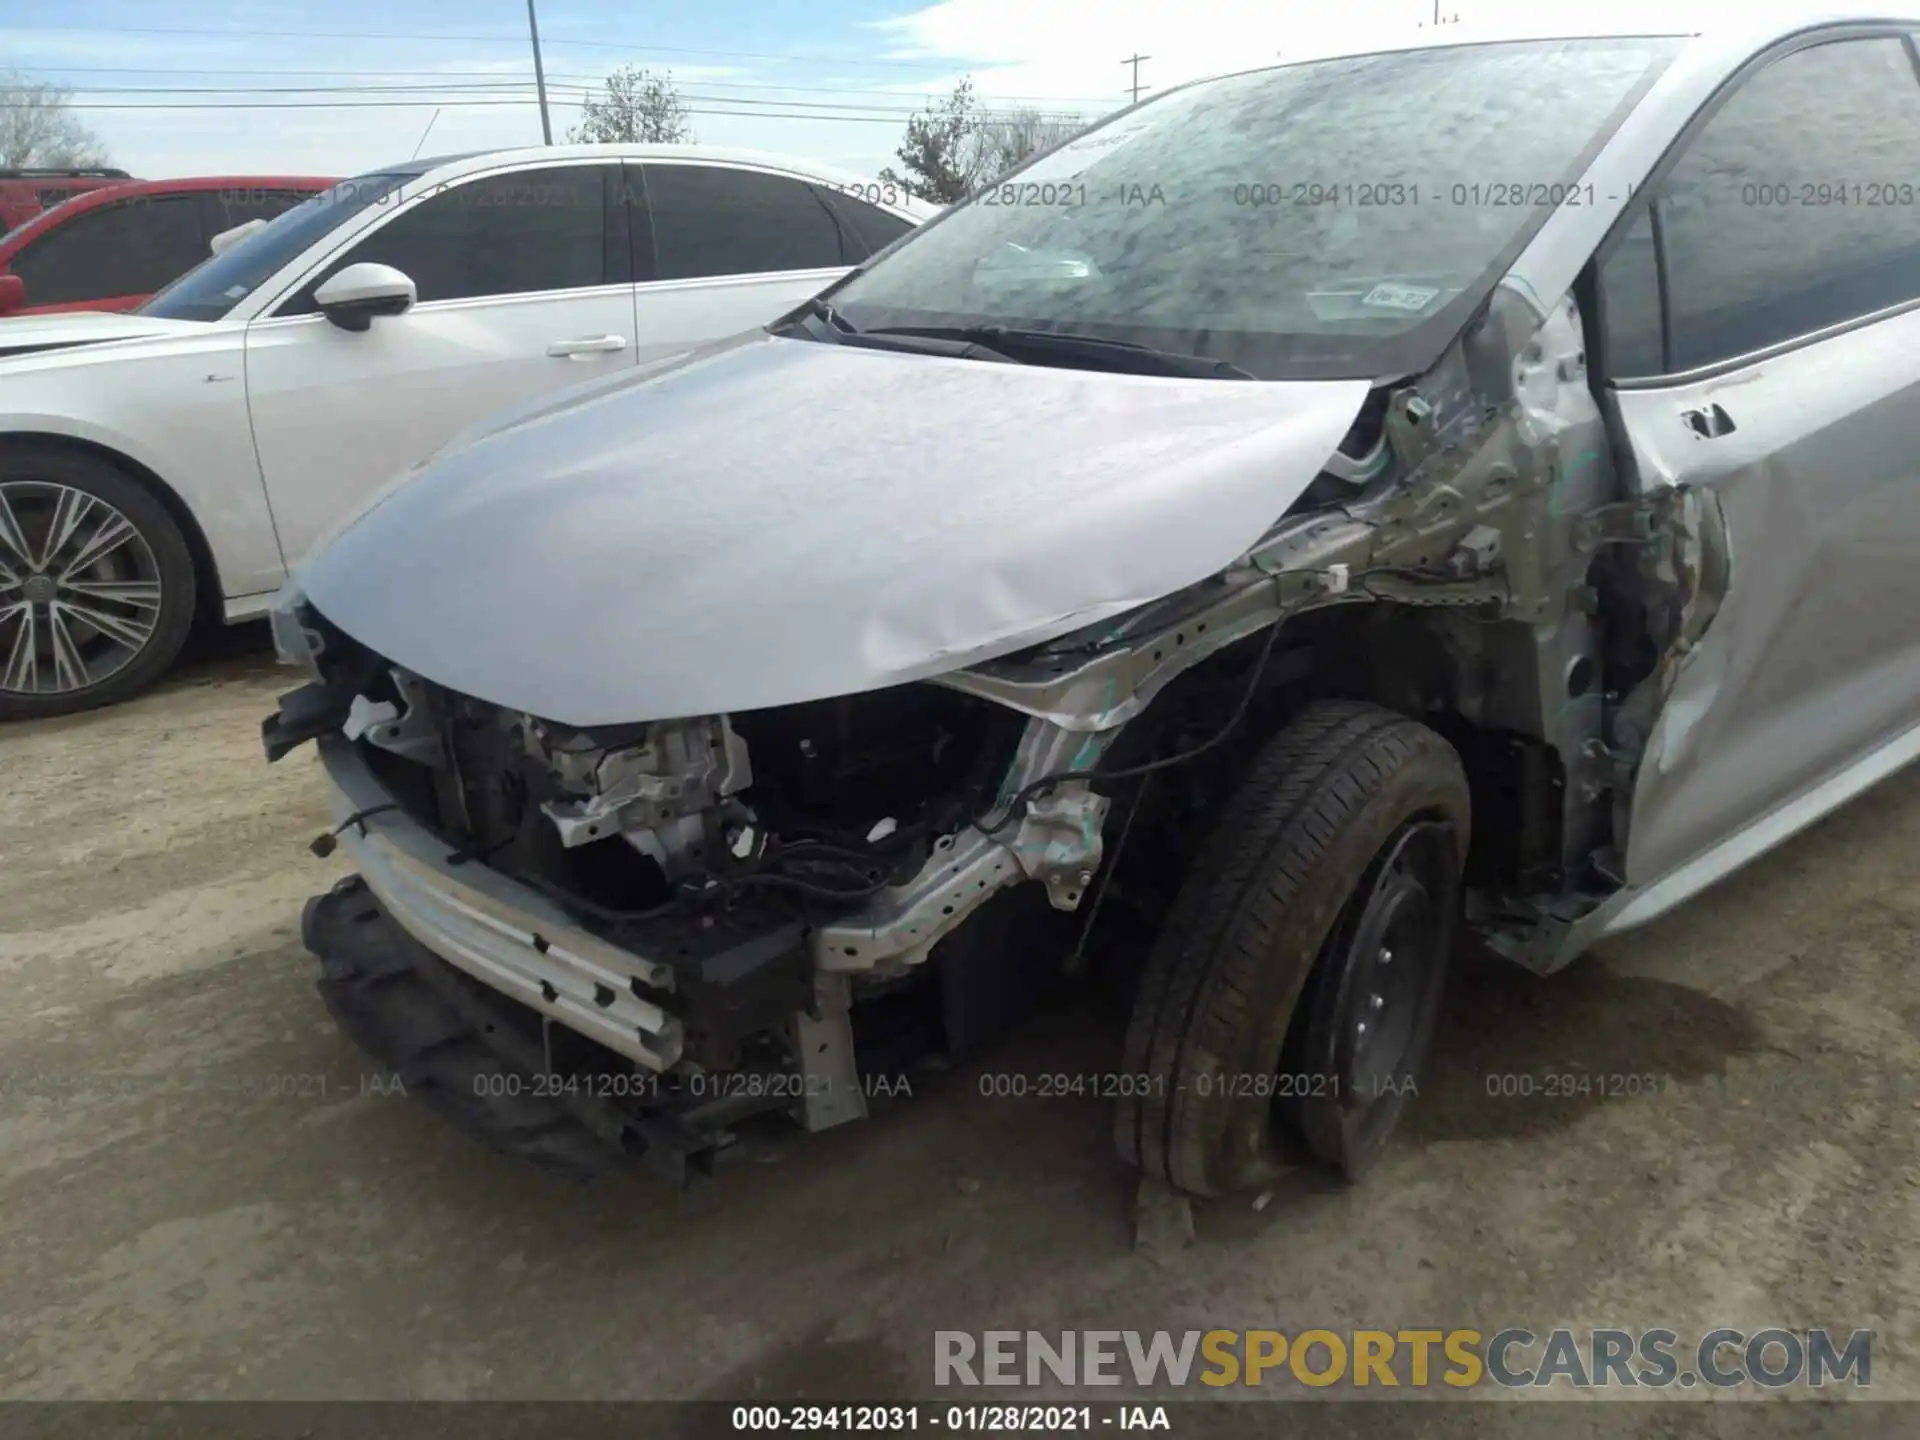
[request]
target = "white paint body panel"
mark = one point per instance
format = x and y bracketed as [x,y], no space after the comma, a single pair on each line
[85,327]
[673,317]
[174,403]
[336,413]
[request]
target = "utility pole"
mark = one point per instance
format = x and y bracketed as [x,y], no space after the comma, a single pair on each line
[1438,19]
[539,75]
[1133,60]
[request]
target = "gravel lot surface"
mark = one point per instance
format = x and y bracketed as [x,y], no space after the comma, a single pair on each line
[207,1195]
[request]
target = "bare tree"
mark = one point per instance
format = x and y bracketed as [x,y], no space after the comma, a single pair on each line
[1003,142]
[935,155]
[635,105]
[38,128]
[953,149]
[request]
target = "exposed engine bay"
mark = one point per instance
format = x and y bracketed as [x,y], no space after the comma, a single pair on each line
[742,882]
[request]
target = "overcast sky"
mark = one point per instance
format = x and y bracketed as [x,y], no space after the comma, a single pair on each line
[161,80]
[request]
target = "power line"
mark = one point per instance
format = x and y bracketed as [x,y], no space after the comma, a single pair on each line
[376,98]
[946,62]
[477,104]
[514,90]
[457,79]
[312,105]
[431,87]
[201,70]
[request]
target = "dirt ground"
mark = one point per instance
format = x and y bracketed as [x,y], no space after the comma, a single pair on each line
[205,1194]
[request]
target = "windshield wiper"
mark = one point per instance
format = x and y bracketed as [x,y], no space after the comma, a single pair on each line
[840,332]
[1056,344]
[820,310]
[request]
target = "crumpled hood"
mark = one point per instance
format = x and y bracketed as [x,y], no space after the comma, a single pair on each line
[781,521]
[35,334]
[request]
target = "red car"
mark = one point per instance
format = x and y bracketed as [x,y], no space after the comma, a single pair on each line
[25,193]
[112,248]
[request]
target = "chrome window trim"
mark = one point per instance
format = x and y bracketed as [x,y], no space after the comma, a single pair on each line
[1676,379]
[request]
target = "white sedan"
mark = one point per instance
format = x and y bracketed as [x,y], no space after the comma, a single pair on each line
[169,466]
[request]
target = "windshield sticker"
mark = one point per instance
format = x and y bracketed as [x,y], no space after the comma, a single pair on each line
[1076,156]
[1388,296]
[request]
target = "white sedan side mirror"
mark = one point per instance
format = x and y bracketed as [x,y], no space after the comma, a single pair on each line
[359,293]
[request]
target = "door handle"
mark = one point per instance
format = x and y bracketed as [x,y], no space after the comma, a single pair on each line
[1709,422]
[587,345]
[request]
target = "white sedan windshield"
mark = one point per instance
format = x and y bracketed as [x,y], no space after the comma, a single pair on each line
[213,287]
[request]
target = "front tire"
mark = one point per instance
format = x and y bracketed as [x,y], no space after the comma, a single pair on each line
[97,586]
[450,1041]
[1266,1013]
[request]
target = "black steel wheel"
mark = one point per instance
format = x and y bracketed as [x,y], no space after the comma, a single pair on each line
[1370,1008]
[1344,840]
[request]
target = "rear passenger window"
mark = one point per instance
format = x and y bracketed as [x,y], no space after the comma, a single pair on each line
[711,221]
[870,226]
[1797,206]
[136,247]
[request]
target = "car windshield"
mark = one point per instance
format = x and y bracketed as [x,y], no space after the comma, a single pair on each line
[215,286]
[1333,219]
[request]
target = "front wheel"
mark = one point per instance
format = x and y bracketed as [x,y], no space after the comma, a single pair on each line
[1293,990]
[96,584]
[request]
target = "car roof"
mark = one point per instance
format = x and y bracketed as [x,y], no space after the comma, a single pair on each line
[635,150]
[115,191]
[452,167]
[432,162]
[31,179]
[1737,33]
[227,182]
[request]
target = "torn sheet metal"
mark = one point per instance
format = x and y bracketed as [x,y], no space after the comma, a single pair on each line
[782,521]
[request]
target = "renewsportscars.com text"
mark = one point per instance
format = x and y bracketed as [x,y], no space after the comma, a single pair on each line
[1511,1358]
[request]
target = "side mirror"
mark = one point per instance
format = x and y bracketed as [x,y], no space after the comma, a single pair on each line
[227,239]
[359,293]
[13,293]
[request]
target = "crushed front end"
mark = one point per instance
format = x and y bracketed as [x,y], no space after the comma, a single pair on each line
[641,935]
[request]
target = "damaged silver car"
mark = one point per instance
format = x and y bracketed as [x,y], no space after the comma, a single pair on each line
[1316,511]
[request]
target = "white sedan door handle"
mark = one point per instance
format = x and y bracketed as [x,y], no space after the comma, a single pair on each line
[588,345]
